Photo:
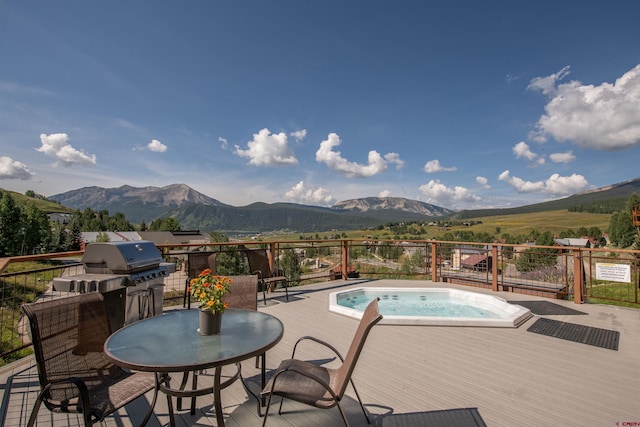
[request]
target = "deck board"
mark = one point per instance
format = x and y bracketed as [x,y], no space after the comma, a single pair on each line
[506,376]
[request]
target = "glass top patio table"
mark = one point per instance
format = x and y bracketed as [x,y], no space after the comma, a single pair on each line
[171,342]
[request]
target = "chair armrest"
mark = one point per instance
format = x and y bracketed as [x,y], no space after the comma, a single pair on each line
[319,341]
[85,402]
[258,273]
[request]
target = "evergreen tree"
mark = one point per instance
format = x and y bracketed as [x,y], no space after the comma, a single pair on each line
[231,260]
[622,232]
[164,224]
[11,230]
[291,266]
[36,229]
[538,258]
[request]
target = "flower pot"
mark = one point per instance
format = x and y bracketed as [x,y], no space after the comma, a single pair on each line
[209,322]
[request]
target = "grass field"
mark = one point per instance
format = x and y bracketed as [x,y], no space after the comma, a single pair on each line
[553,221]
[517,224]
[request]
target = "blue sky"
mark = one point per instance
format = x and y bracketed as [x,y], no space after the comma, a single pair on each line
[463,104]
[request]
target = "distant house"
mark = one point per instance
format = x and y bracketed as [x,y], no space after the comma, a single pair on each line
[157,237]
[471,258]
[580,243]
[113,236]
[477,262]
[176,237]
[62,218]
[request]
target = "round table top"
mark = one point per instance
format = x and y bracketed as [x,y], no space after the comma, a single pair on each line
[171,342]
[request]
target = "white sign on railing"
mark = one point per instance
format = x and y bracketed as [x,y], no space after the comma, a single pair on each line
[613,272]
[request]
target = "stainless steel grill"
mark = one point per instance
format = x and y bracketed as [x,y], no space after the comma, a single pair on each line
[130,275]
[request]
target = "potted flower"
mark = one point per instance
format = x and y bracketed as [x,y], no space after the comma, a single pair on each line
[209,289]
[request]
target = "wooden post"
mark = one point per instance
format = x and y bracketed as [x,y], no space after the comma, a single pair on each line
[271,255]
[345,259]
[577,276]
[434,262]
[494,268]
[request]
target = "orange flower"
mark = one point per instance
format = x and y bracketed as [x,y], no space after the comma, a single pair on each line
[209,289]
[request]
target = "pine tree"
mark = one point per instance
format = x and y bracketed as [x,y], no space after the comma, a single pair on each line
[10,226]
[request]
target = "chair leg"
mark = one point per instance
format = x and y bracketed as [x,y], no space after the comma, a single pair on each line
[344,418]
[360,402]
[34,411]
[172,419]
[147,417]
[266,411]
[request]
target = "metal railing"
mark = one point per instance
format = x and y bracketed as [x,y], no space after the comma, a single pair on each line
[579,274]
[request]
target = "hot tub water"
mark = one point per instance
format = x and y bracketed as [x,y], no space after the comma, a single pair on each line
[431,306]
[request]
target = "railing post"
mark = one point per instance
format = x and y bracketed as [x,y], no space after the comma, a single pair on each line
[577,276]
[494,268]
[272,255]
[434,262]
[345,259]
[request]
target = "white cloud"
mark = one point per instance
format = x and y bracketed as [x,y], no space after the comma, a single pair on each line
[335,161]
[156,146]
[299,135]
[547,85]
[267,149]
[56,146]
[522,150]
[302,194]
[604,117]
[484,182]
[395,159]
[224,144]
[12,169]
[566,157]
[384,193]
[433,166]
[439,194]
[555,185]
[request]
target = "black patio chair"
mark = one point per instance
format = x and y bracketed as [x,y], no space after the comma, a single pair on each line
[320,386]
[75,376]
[259,264]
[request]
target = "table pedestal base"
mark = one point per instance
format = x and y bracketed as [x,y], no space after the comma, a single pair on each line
[163,385]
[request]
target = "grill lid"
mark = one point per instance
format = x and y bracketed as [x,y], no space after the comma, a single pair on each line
[120,257]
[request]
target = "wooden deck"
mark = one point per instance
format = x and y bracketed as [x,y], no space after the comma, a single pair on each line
[420,375]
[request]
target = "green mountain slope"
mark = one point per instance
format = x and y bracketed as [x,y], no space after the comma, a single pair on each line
[614,196]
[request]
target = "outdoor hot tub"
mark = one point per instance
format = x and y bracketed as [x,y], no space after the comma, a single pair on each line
[430,306]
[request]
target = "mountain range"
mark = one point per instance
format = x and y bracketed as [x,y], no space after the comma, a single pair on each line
[194,210]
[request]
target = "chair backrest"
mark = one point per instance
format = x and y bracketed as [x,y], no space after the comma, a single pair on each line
[198,261]
[370,317]
[243,292]
[258,261]
[68,336]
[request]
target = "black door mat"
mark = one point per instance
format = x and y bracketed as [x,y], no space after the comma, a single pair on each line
[604,338]
[464,417]
[546,308]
